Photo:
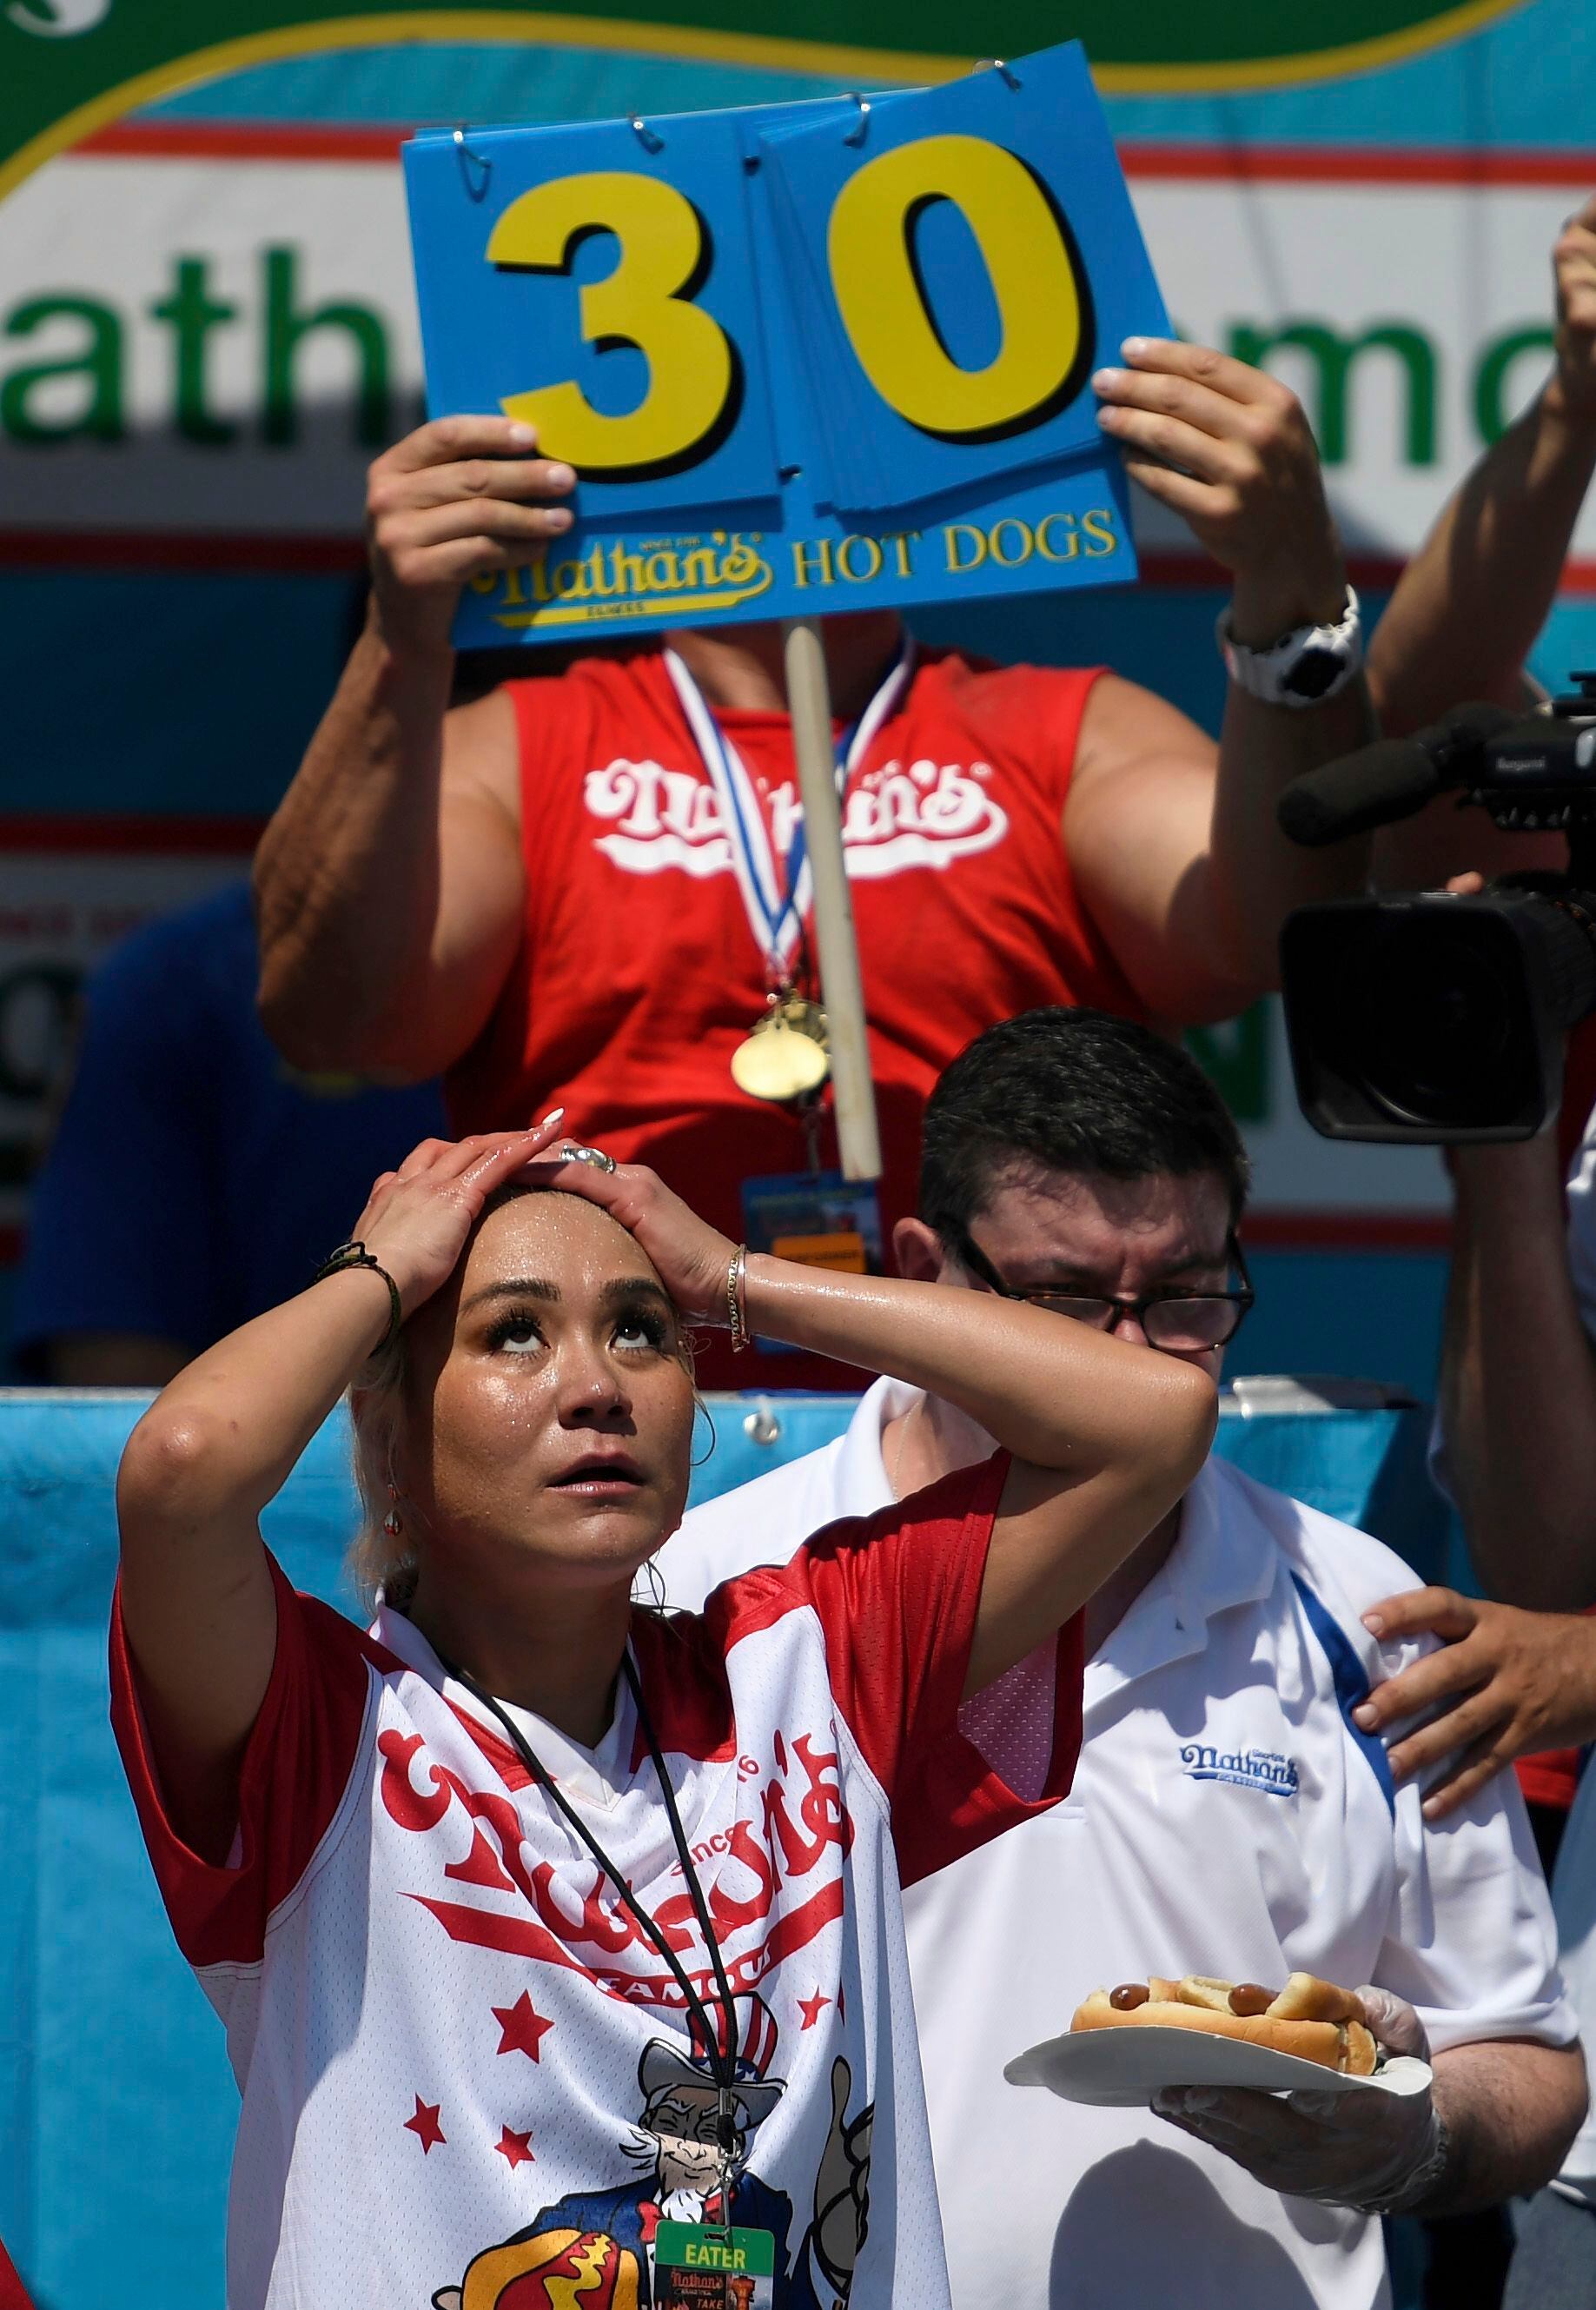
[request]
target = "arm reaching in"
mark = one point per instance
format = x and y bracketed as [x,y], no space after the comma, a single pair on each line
[388,885]
[1474,596]
[1177,853]
[1105,1438]
[1467,609]
[1510,1683]
[1518,1383]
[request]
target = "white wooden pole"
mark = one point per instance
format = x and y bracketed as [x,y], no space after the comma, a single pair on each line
[809,702]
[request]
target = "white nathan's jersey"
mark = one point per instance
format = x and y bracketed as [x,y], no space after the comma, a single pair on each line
[467,2077]
[1226,1817]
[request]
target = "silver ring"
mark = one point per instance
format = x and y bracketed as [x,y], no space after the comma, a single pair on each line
[595,1156]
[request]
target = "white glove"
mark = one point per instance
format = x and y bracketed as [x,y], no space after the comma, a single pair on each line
[1379,2153]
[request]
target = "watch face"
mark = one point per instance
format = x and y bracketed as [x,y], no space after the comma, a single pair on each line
[1313,673]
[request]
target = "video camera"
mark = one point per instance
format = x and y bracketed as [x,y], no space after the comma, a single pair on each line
[1435,1020]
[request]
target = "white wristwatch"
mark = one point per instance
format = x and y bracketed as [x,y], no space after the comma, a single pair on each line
[1305,667]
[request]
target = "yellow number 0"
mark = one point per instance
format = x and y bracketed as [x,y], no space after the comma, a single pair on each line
[1032,269]
[692,372]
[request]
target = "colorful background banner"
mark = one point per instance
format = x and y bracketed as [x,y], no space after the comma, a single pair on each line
[207,330]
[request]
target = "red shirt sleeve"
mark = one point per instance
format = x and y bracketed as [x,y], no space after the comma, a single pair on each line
[897,1595]
[296,1768]
[13,2295]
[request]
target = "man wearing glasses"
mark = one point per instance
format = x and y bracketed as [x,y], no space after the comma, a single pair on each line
[1227,1817]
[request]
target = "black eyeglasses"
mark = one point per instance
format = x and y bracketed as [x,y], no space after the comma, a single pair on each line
[1182,1323]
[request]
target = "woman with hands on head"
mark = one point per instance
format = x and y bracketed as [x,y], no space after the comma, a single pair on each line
[553,1934]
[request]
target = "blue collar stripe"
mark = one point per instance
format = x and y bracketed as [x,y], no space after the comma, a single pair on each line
[1351,1685]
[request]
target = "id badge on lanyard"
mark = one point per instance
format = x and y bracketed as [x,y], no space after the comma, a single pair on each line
[699,2267]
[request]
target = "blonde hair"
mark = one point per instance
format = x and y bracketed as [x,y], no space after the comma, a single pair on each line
[377,1557]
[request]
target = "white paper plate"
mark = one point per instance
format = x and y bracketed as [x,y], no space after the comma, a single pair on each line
[1122,2069]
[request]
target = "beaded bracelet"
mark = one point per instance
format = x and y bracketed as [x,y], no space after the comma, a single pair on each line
[355,1254]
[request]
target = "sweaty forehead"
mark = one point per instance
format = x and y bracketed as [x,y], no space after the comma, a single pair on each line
[1086,1220]
[559,1238]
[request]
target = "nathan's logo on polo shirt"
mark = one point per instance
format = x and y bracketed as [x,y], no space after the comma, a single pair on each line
[1244,1768]
[920,813]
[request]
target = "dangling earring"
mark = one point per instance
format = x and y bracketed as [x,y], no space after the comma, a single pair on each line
[392,1522]
[701,1407]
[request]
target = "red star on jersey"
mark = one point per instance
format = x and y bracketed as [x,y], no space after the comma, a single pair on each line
[515,2148]
[812,2008]
[521,2027]
[424,2124]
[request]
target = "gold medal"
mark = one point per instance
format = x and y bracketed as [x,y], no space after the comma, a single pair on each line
[786,1055]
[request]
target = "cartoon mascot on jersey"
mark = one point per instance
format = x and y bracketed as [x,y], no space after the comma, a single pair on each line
[593,2245]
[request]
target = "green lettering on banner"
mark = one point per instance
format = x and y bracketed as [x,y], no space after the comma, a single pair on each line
[98,364]
[1490,379]
[192,313]
[1333,354]
[1235,1057]
[286,330]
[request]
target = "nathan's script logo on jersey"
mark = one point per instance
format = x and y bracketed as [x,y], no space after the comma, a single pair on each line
[919,814]
[1244,1768]
[778,1884]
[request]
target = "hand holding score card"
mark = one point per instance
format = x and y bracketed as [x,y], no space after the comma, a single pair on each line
[1230,450]
[452,500]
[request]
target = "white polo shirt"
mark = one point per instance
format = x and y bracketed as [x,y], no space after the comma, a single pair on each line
[1226,1818]
[1574,1880]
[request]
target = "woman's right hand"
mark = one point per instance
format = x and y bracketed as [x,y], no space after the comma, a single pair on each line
[417,1219]
[692,1257]
[454,499]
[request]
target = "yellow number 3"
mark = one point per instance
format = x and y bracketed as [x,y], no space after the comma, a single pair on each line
[1028,259]
[692,372]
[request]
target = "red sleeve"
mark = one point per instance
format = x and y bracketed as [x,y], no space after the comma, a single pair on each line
[897,1594]
[296,1768]
[12,2293]
[1063,705]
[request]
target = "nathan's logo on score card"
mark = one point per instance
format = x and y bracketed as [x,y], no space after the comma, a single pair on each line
[685,576]
[796,349]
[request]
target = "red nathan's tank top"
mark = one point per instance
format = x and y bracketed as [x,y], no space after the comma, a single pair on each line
[639,973]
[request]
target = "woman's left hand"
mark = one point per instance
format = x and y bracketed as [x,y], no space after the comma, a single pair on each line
[692,1257]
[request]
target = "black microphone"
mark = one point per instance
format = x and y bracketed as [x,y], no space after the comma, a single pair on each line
[1389,780]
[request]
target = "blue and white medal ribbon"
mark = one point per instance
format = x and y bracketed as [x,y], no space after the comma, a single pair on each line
[776,893]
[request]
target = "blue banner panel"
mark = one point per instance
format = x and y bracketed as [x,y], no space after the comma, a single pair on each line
[802,357]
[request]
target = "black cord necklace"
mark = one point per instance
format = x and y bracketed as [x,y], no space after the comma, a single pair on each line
[720,2044]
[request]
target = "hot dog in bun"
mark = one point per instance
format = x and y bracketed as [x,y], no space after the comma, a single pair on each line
[1309,2018]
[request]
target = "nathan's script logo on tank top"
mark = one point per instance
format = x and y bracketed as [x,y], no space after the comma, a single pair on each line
[920,813]
[779,1882]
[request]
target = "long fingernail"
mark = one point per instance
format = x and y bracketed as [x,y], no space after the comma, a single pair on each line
[1364,1717]
[553,1118]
